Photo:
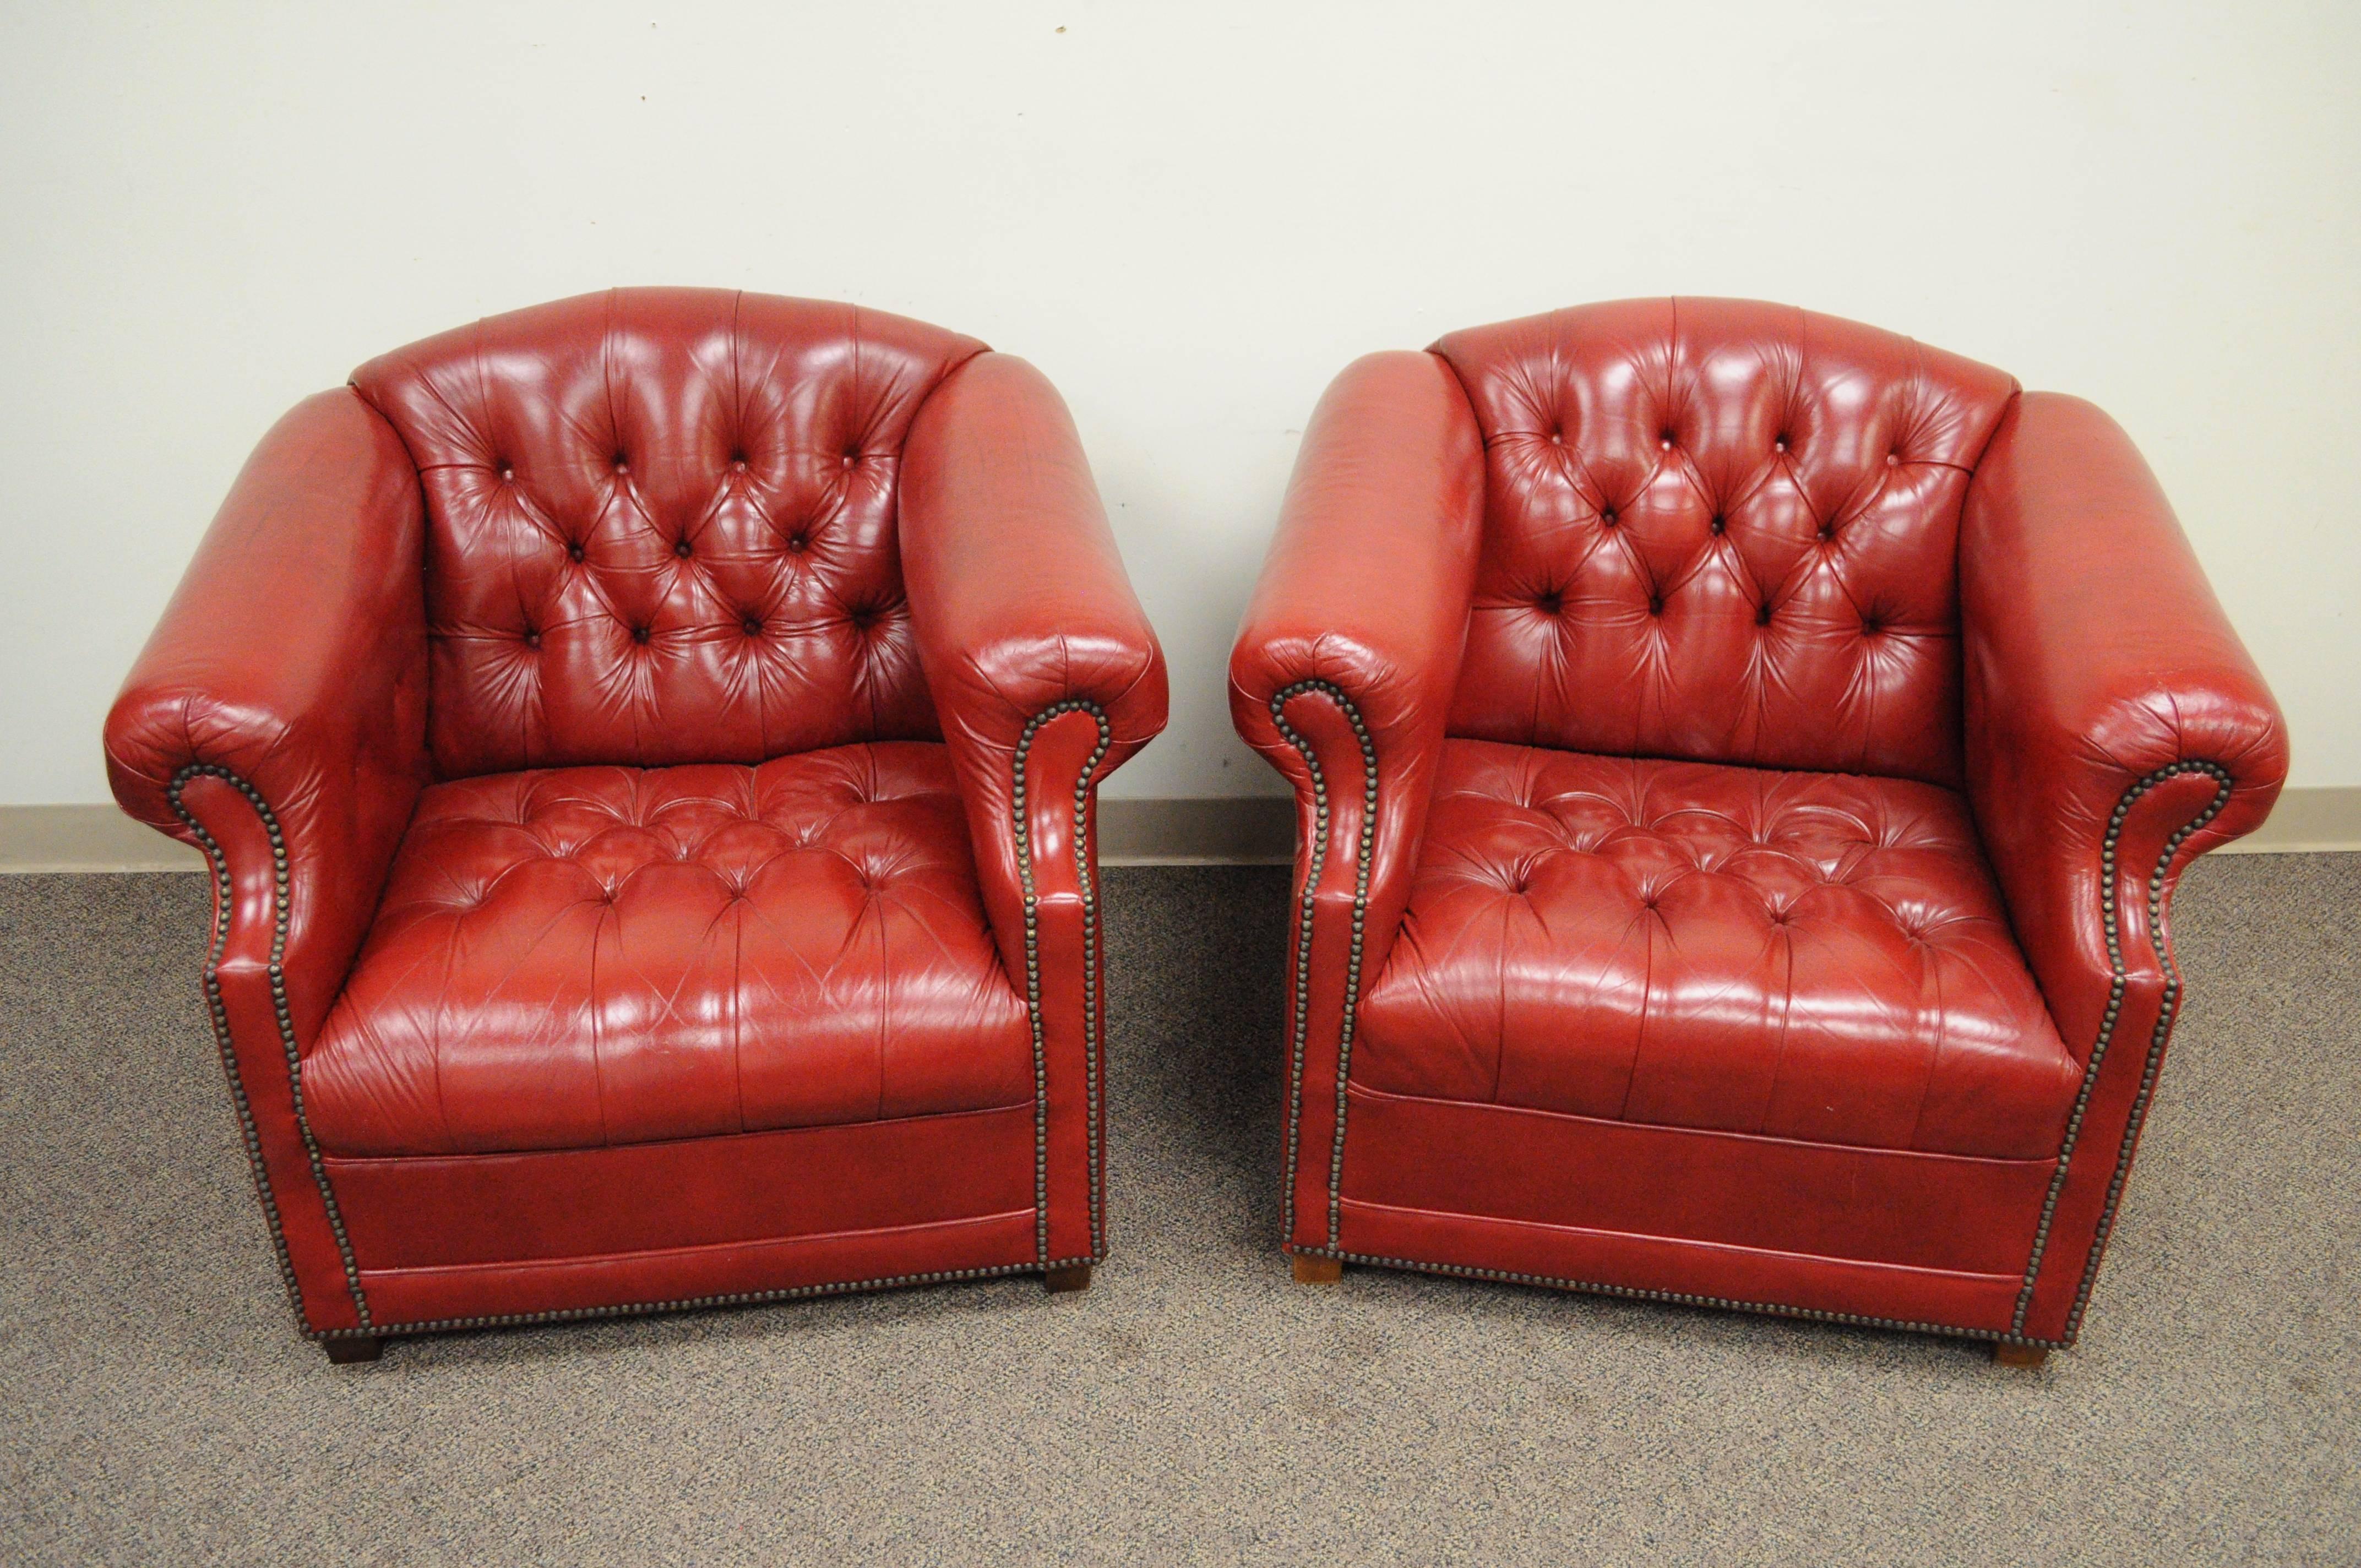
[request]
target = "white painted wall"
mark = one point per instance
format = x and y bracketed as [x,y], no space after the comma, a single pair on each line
[1189,217]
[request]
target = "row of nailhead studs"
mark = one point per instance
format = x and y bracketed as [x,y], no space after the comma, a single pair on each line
[281,912]
[335,1220]
[2118,985]
[1092,1046]
[2167,1008]
[224,895]
[1302,989]
[696,1303]
[1678,1297]
[1360,920]
[1033,966]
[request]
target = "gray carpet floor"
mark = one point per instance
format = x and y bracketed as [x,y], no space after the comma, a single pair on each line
[1194,1407]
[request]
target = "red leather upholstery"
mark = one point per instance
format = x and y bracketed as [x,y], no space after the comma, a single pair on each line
[610,916]
[1720,530]
[1781,924]
[1811,956]
[1342,676]
[590,956]
[1046,677]
[662,526]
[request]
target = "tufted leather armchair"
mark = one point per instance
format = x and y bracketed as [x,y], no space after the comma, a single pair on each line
[646,747]
[1743,760]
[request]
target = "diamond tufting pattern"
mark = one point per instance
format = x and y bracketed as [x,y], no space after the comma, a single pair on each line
[1720,530]
[606,723]
[580,956]
[661,526]
[1808,955]
[1738,820]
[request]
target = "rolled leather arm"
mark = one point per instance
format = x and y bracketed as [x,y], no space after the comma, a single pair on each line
[278,709]
[1351,644]
[1025,621]
[1341,678]
[1046,676]
[2117,727]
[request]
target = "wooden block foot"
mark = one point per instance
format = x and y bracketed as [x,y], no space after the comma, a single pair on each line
[347,1350]
[1318,1270]
[1076,1277]
[2009,1354]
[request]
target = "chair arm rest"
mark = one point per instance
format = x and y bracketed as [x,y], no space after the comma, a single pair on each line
[1043,665]
[277,717]
[2117,727]
[1341,678]
[1046,676]
[1351,645]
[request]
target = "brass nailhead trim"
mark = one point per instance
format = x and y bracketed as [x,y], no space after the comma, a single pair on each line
[1681,1298]
[1312,880]
[2118,984]
[1043,1262]
[1091,1043]
[696,1303]
[2016,1335]
[224,892]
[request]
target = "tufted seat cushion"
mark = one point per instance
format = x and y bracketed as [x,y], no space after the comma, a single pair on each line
[1809,956]
[576,957]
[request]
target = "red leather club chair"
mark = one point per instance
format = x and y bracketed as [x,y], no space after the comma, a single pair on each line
[646,747]
[1743,760]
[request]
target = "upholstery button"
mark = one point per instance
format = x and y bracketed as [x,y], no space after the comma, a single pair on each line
[680,548]
[754,626]
[640,634]
[507,471]
[532,638]
[1557,438]
[574,551]
[1606,516]
[799,543]
[621,467]
[1892,458]
[1551,603]
[1780,444]
[1721,525]
[1655,603]
[1665,440]
[1828,531]
[1762,613]
[851,456]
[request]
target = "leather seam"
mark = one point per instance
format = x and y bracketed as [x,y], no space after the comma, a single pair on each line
[657,1254]
[695,1303]
[1084,782]
[1371,1210]
[224,895]
[1812,1145]
[1362,857]
[338,1161]
[1681,1298]
[2119,984]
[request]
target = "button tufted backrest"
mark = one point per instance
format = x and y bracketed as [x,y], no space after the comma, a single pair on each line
[661,526]
[1720,530]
